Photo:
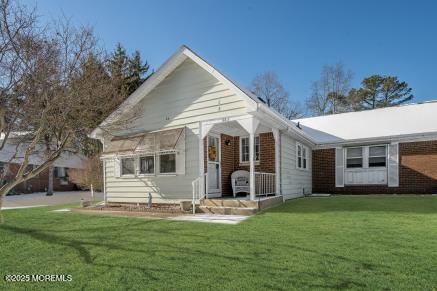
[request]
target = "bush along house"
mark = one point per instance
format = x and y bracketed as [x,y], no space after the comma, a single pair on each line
[198,135]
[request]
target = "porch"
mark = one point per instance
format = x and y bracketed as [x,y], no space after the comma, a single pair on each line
[237,144]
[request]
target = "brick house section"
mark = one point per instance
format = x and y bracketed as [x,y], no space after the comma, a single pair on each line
[39,183]
[417,172]
[230,158]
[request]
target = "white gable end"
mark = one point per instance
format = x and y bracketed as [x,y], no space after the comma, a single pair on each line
[187,95]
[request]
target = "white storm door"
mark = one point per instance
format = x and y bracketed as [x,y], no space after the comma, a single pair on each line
[214,169]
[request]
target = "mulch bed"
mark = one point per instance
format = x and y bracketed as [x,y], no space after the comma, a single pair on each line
[157,210]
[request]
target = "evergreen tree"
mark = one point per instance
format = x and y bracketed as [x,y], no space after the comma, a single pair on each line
[380,91]
[127,72]
[137,72]
[118,69]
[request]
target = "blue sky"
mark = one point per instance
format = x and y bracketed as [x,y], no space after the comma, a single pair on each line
[293,38]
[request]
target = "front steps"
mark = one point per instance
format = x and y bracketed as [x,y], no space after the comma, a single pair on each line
[236,206]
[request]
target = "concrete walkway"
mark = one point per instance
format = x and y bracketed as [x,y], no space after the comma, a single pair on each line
[40,199]
[212,218]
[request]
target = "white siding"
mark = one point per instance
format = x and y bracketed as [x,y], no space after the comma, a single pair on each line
[294,182]
[184,98]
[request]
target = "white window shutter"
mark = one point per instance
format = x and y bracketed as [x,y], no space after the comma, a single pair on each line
[339,167]
[180,154]
[393,165]
[117,167]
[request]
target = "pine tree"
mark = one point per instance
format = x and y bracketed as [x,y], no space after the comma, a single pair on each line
[137,72]
[380,91]
[127,72]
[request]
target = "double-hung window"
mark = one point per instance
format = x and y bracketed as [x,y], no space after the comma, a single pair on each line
[354,157]
[244,149]
[147,165]
[302,156]
[377,156]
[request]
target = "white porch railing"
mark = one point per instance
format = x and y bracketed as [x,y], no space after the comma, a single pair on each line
[265,183]
[199,192]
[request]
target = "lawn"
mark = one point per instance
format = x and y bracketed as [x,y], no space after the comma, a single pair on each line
[312,243]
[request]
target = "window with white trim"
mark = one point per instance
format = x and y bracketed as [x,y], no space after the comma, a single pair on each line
[147,165]
[302,156]
[167,163]
[354,157]
[244,149]
[377,156]
[128,166]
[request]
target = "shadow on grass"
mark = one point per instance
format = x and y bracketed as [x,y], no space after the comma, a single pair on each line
[400,204]
[195,252]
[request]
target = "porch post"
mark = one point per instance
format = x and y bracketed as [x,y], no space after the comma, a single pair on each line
[252,164]
[201,158]
[250,125]
[277,161]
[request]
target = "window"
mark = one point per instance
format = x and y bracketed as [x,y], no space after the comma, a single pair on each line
[127,166]
[302,156]
[60,172]
[167,163]
[354,157]
[377,156]
[147,165]
[244,149]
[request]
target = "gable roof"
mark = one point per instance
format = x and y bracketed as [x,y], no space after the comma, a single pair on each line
[405,121]
[169,66]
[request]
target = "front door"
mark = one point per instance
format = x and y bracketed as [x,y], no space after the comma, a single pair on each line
[214,172]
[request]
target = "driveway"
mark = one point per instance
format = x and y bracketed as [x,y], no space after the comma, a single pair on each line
[40,199]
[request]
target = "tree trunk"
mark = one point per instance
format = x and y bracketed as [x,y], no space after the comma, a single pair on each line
[3,192]
[50,186]
[1,204]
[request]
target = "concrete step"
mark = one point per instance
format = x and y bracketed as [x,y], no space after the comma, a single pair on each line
[241,203]
[227,210]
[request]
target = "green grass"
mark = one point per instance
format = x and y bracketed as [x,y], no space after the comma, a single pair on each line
[313,243]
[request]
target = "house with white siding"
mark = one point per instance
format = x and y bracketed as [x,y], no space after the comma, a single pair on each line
[193,128]
[193,134]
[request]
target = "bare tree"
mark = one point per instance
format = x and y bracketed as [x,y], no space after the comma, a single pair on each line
[268,87]
[329,93]
[51,95]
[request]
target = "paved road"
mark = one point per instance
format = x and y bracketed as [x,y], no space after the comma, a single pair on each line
[40,199]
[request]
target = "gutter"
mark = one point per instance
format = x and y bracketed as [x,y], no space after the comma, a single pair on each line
[291,128]
[390,138]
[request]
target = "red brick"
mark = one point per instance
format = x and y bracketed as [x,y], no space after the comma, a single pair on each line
[417,172]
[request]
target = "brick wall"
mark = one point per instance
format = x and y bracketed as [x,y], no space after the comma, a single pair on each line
[38,183]
[417,172]
[230,158]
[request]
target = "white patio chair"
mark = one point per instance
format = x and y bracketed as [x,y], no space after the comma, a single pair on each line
[240,182]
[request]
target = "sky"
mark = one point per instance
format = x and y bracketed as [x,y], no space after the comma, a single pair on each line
[295,39]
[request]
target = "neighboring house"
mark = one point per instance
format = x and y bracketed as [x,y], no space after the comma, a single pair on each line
[381,151]
[40,182]
[193,127]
